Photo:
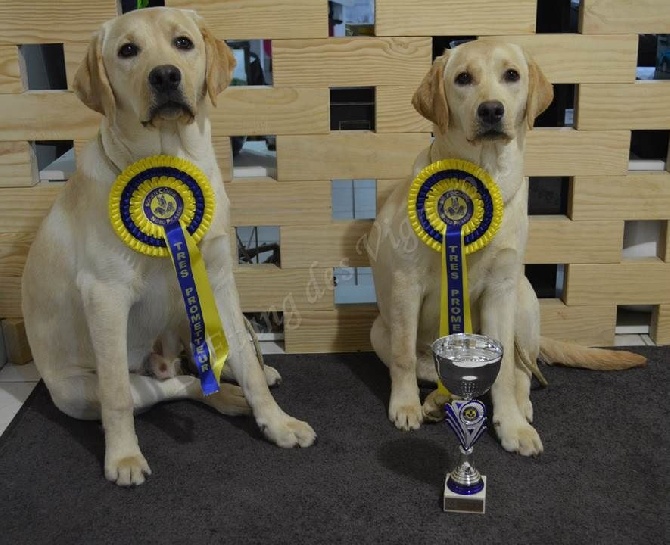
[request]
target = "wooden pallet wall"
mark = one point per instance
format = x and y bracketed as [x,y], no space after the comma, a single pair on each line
[600,60]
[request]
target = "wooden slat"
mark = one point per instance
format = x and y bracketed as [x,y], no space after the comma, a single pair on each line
[266,287]
[567,152]
[74,53]
[22,210]
[664,243]
[43,21]
[453,18]
[353,62]
[640,282]
[338,244]
[624,16]
[18,167]
[278,203]
[660,325]
[641,105]
[224,156]
[577,58]
[10,297]
[246,111]
[46,115]
[16,341]
[243,19]
[395,112]
[345,329]
[13,252]
[555,239]
[632,197]
[587,325]
[10,73]
[348,155]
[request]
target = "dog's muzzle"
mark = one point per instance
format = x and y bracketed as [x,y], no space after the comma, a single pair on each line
[168,98]
[490,116]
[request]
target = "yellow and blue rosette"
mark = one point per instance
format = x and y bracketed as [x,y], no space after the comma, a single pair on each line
[454,207]
[162,206]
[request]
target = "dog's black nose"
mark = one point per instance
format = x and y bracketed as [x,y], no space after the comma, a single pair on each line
[490,112]
[165,78]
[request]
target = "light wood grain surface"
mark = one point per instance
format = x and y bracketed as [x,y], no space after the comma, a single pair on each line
[354,62]
[636,196]
[10,73]
[624,16]
[588,325]
[454,18]
[395,112]
[18,166]
[640,105]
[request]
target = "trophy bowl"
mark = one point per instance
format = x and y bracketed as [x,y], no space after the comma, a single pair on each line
[467,364]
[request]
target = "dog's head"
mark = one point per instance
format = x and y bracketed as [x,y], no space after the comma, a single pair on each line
[158,64]
[486,89]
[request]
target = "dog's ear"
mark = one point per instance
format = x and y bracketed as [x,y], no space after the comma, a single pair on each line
[91,83]
[220,63]
[540,92]
[430,99]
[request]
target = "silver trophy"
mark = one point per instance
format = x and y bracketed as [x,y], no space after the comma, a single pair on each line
[468,366]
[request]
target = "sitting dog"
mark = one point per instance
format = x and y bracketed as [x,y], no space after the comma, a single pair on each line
[93,307]
[482,97]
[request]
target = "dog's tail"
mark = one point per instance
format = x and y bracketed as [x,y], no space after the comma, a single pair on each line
[573,355]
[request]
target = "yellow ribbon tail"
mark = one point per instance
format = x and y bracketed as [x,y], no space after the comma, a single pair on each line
[216,338]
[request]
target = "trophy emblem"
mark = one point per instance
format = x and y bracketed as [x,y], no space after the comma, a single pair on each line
[467,365]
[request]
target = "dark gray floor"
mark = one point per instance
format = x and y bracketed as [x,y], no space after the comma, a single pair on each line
[602,479]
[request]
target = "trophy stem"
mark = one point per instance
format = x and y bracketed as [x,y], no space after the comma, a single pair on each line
[465,479]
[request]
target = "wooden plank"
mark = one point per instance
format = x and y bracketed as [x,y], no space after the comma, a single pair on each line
[242,19]
[578,58]
[622,17]
[345,329]
[660,325]
[553,239]
[42,21]
[13,253]
[664,243]
[269,202]
[266,287]
[74,53]
[10,72]
[641,105]
[46,115]
[22,210]
[456,18]
[10,297]
[224,156]
[643,196]
[18,166]
[348,155]
[395,112]
[568,152]
[351,62]
[336,244]
[16,341]
[246,111]
[639,282]
[587,325]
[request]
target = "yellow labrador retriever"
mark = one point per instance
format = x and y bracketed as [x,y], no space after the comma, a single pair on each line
[482,97]
[92,306]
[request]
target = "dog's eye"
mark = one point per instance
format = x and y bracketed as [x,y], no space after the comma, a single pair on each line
[464,78]
[511,75]
[183,43]
[128,50]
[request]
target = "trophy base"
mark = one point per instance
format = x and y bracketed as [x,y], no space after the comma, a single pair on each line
[460,503]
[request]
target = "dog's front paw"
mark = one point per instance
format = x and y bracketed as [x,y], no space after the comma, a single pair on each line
[126,470]
[272,376]
[519,437]
[405,408]
[288,432]
[228,400]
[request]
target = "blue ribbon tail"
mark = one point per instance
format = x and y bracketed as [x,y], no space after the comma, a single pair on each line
[200,349]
